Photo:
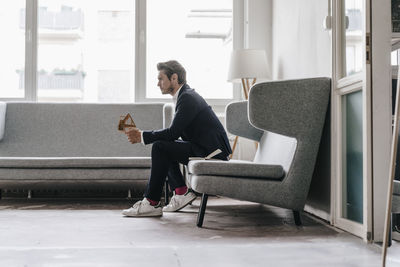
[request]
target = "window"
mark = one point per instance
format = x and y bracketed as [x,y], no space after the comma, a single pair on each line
[86,51]
[12,64]
[199,35]
[107,51]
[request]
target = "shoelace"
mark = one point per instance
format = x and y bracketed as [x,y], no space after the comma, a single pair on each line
[137,204]
[173,201]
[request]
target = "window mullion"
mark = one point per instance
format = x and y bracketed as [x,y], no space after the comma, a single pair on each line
[31,50]
[238,22]
[140,50]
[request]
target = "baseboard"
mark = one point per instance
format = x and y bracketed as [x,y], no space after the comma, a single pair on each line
[318,213]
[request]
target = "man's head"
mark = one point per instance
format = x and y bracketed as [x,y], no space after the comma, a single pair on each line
[171,76]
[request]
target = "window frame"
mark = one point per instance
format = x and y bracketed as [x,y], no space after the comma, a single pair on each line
[140,54]
[31,53]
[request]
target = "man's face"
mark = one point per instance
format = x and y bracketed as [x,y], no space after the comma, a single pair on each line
[164,83]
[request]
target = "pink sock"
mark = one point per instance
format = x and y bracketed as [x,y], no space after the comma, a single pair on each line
[152,202]
[181,190]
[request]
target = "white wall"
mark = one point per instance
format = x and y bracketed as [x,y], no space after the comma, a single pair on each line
[257,31]
[381,110]
[297,46]
[301,47]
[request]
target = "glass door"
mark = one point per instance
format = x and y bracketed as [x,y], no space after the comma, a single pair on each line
[351,105]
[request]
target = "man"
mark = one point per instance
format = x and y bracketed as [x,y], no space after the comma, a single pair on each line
[200,131]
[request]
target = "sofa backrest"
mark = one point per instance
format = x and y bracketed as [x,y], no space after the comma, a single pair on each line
[3,107]
[294,111]
[276,149]
[272,148]
[76,129]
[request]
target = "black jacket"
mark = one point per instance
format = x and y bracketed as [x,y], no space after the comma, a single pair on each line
[196,122]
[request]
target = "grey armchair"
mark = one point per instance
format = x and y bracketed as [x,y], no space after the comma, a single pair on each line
[286,118]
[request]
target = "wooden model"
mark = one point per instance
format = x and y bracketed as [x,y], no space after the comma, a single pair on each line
[125,122]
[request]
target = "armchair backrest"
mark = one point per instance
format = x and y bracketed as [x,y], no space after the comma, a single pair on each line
[292,114]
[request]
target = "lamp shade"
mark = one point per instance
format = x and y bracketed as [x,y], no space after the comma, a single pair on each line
[247,63]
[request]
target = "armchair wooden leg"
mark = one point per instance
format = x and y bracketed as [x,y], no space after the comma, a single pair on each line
[297,219]
[202,210]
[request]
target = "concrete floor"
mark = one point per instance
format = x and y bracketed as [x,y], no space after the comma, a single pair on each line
[93,233]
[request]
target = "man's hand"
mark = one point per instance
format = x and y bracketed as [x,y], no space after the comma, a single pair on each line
[134,135]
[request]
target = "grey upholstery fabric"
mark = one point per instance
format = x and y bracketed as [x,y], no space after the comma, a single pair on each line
[396,187]
[291,114]
[289,107]
[75,130]
[72,174]
[169,110]
[236,168]
[3,107]
[59,143]
[250,189]
[237,122]
[396,197]
[62,183]
[396,204]
[75,162]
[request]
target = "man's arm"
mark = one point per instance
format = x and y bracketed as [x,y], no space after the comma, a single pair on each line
[187,108]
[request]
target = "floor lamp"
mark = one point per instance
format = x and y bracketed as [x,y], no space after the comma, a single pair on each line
[246,66]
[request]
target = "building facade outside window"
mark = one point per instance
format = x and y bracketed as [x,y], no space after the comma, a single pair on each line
[88,52]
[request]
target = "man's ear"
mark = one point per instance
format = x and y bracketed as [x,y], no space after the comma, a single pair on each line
[174,77]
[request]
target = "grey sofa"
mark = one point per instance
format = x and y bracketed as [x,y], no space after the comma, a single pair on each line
[74,144]
[286,118]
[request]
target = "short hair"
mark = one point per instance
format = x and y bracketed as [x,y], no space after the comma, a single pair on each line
[172,66]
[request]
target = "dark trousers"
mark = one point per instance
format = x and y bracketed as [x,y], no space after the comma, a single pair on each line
[165,159]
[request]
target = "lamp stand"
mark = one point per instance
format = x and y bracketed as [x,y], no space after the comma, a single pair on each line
[246,89]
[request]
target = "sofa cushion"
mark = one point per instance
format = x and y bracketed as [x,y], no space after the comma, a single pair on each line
[236,168]
[34,177]
[75,162]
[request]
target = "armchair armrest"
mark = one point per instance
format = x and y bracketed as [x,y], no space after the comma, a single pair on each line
[237,121]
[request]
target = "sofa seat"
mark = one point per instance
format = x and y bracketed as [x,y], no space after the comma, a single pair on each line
[236,168]
[75,162]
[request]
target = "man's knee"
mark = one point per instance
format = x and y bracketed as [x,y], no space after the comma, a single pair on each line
[158,147]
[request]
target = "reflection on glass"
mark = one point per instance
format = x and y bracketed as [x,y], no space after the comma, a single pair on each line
[352,158]
[199,35]
[353,45]
[86,50]
[12,52]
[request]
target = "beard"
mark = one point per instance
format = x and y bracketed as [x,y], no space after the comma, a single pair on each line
[167,91]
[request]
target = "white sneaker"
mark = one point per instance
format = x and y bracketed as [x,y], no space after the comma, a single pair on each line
[143,208]
[180,201]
